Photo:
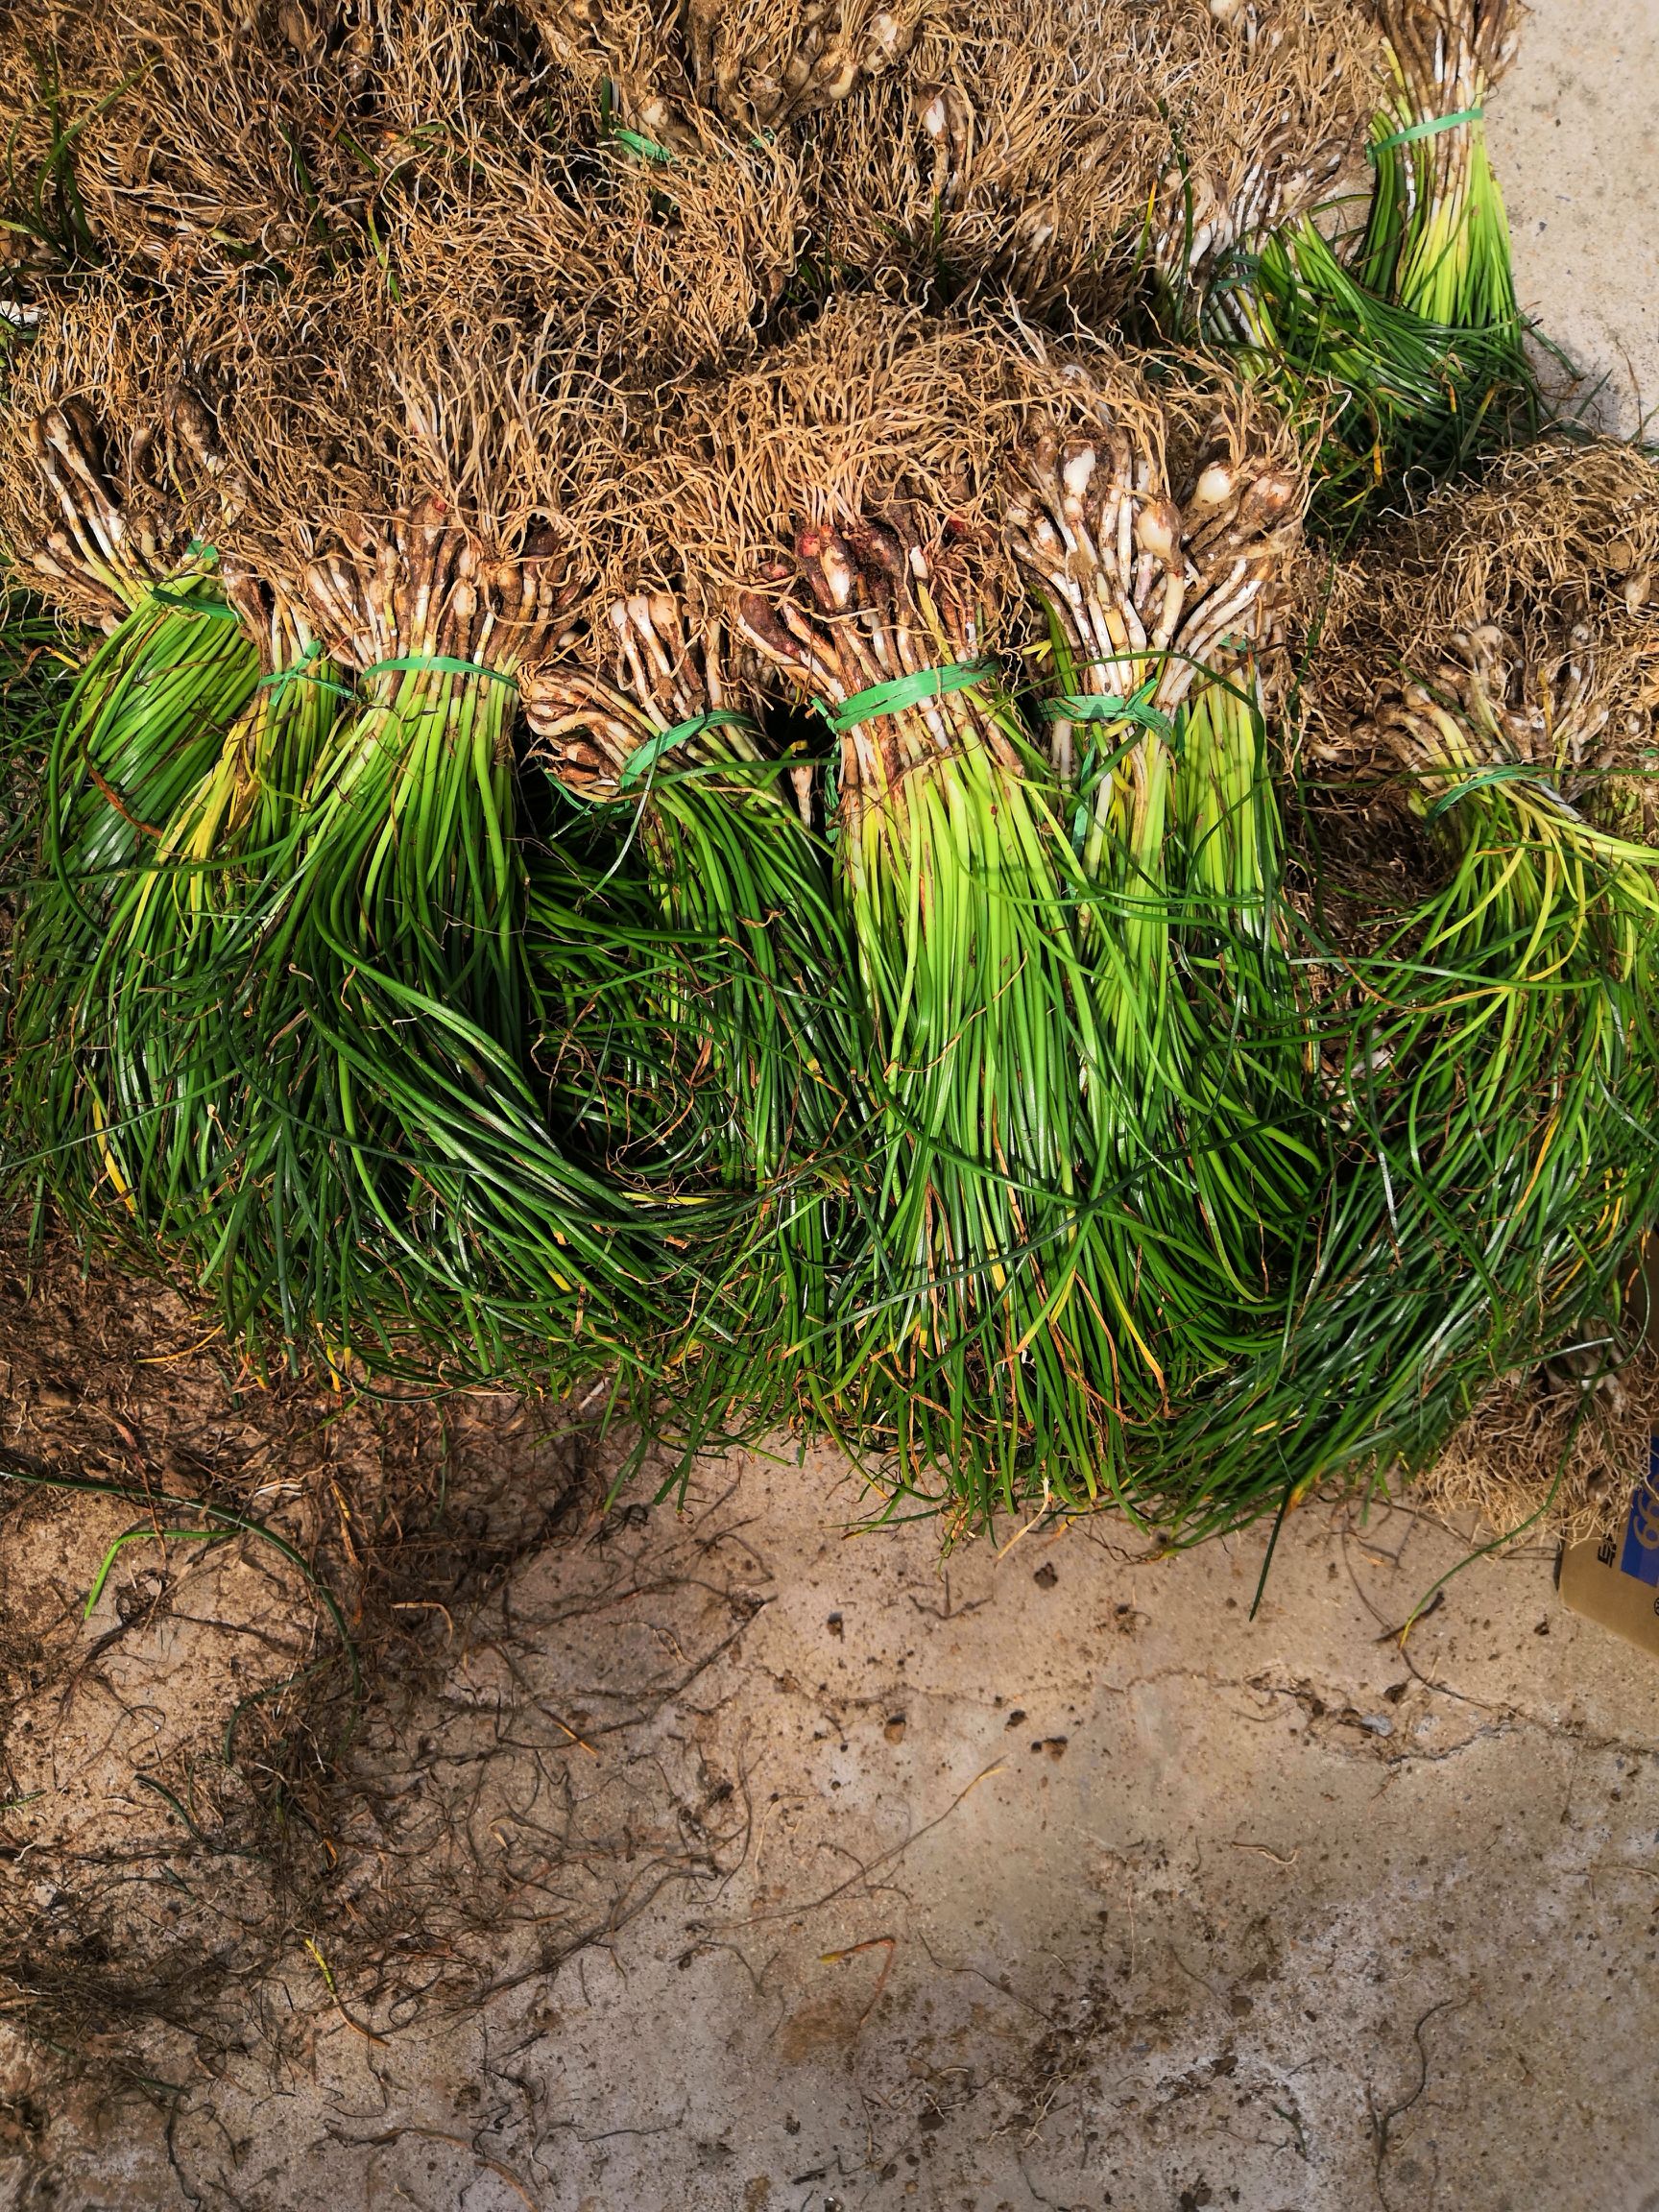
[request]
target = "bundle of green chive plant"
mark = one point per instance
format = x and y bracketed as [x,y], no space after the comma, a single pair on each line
[642,729]
[1054,1249]
[273,1012]
[1397,303]
[785,891]
[1159,616]
[1481,912]
[146,719]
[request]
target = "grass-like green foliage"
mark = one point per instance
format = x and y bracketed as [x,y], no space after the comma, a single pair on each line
[37,674]
[141,730]
[401,1186]
[1495,1064]
[757,1090]
[1402,397]
[1399,335]
[979,1330]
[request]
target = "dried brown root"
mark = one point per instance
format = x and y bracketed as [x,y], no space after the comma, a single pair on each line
[436,148]
[1532,600]
[209,137]
[1440,47]
[89,500]
[1059,152]
[758,67]
[1550,1454]
[653,662]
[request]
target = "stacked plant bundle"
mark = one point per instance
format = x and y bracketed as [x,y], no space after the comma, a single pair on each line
[273,998]
[642,812]
[1042,1275]
[1557,548]
[650,724]
[1163,621]
[1407,318]
[146,721]
[1490,1048]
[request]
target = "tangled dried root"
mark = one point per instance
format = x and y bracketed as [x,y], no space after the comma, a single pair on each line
[1550,1453]
[1063,153]
[89,502]
[881,410]
[758,67]
[1433,38]
[649,270]
[206,138]
[436,148]
[1540,585]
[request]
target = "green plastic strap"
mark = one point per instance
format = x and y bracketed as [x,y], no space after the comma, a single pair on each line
[898,692]
[647,149]
[1500,772]
[646,757]
[1096,707]
[215,609]
[1430,130]
[444,662]
[301,673]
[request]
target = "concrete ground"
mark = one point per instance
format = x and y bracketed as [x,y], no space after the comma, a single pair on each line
[1572,135]
[1041,1880]
[1048,1879]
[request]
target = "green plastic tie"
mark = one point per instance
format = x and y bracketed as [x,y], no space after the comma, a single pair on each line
[645,758]
[301,673]
[647,149]
[215,609]
[446,663]
[898,692]
[1098,707]
[1430,130]
[635,142]
[200,551]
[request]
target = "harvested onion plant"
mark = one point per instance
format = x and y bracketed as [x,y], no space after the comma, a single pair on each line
[1019,1316]
[748,978]
[142,727]
[1557,548]
[980,1326]
[1158,614]
[1499,1076]
[1409,322]
[648,729]
[1481,914]
[399,1141]
[834,499]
